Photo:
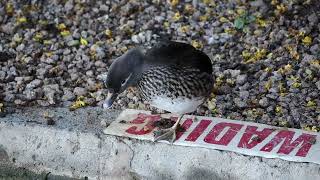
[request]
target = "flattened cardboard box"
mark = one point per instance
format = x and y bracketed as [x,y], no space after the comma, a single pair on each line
[216,133]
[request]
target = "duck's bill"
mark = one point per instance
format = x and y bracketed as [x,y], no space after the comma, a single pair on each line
[110,99]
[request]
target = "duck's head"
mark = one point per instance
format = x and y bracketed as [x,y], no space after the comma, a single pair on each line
[123,73]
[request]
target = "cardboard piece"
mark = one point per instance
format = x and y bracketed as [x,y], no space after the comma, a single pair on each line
[216,133]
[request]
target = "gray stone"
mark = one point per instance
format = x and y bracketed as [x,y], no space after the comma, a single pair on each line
[241,79]
[315,49]
[80,91]
[234,73]
[20,47]
[19,102]
[313,18]
[50,91]
[66,51]
[8,28]
[318,85]
[89,73]
[135,39]
[100,54]
[100,95]
[41,72]
[84,34]
[264,102]
[272,96]
[307,58]
[244,94]
[9,97]
[19,80]
[100,64]
[239,103]
[73,43]
[2,75]
[159,18]
[30,94]
[67,95]
[104,8]
[68,5]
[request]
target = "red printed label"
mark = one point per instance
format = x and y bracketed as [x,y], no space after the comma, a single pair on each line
[305,140]
[227,137]
[216,133]
[252,137]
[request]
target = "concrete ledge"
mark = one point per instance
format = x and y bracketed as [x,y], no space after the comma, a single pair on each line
[75,147]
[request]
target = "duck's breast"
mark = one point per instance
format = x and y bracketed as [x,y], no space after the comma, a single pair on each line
[180,105]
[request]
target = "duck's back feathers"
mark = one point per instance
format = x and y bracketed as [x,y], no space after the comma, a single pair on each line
[180,55]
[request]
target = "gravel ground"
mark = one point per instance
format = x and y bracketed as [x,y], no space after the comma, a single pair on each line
[265,54]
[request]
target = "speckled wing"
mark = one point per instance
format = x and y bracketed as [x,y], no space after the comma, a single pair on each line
[180,55]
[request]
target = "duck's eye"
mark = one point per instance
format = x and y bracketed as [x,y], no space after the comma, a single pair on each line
[125,80]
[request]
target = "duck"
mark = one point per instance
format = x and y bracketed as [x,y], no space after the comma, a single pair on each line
[171,76]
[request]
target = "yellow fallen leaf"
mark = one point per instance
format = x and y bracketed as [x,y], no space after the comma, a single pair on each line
[315,129]
[210,3]
[307,40]
[259,54]
[288,67]
[296,84]
[283,123]
[83,41]
[1,107]
[38,36]
[173,2]
[293,52]
[219,80]
[206,1]
[203,18]
[65,33]
[166,24]
[240,11]
[223,19]
[261,22]
[311,103]
[246,54]
[230,31]
[268,85]
[281,8]
[301,34]
[61,26]
[197,44]
[49,54]
[108,32]
[311,128]
[78,103]
[9,8]
[278,109]
[212,104]
[47,42]
[184,29]
[282,89]
[230,81]
[123,49]
[22,20]
[188,8]
[315,63]
[274,2]
[177,16]
[267,69]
